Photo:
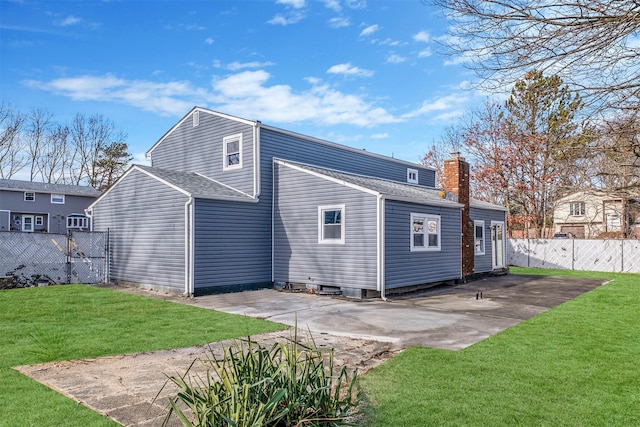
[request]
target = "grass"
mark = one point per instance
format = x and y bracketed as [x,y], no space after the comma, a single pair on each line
[74,321]
[575,365]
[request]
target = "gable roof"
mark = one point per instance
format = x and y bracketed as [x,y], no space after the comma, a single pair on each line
[258,123]
[389,189]
[44,187]
[188,183]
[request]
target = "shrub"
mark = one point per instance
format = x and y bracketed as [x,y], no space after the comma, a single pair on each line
[288,384]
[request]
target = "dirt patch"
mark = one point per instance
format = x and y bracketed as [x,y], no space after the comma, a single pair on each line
[124,387]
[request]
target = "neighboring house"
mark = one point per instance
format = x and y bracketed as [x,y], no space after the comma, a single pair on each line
[41,207]
[591,214]
[229,203]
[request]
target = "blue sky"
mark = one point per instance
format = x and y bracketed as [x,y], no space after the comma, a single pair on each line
[368,74]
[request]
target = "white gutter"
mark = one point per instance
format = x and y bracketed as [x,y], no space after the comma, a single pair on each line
[381,244]
[188,248]
[256,160]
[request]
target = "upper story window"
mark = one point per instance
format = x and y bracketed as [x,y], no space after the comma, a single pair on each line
[331,224]
[478,237]
[425,232]
[196,118]
[577,209]
[57,198]
[29,196]
[77,221]
[232,152]
[412,176]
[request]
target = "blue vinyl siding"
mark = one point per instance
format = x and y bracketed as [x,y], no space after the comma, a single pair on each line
[298,257]
[333,156]
[200,149]
[406,268]
[233,244]
[482,263]
[146,221]
[54,215]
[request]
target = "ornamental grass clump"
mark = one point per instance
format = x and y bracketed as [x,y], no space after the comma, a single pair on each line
[288,384]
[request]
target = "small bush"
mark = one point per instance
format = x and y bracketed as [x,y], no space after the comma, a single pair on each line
[250,385]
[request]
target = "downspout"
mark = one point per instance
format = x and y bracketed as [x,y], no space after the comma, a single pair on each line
[256,159]
[381,245]
[87,212]
[461,246]
[188,248]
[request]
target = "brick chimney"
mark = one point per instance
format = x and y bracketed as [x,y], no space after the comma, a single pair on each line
[456,181]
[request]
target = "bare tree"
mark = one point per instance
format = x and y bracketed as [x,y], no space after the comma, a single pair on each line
[591,44]
[452,141]
[12,158]
[617,163]
[90,137]
[39,126]
[54,155]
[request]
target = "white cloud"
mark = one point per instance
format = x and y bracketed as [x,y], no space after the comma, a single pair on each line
[209,41]
[246,94]
[369,30]
[349,70]
[425,53]
[70,20]
[396,59]
[380,136]
[447,104]
[296,4]
[422,36]
[356,4]
[280,19]
[333,5]
[235,66]
[170,98]
[339,22]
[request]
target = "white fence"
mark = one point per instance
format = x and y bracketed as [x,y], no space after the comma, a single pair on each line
[611,255]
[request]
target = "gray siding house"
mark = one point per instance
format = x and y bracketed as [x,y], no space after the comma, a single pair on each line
[230,203]
[42,207]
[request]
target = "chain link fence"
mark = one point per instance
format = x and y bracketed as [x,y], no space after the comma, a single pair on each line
[29,259]
[610,255]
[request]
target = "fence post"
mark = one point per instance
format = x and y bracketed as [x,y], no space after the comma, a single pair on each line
[573,254]
[68,254]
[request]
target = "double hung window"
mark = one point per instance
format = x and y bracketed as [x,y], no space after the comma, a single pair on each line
[232,152]
[425,232]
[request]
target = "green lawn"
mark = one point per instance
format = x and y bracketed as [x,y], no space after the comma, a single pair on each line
[575,365]
[74,321]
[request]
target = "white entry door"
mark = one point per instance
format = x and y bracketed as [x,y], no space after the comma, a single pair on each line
[27,223]
[497,244]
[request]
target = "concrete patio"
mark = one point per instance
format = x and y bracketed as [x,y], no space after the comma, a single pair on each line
[363,334]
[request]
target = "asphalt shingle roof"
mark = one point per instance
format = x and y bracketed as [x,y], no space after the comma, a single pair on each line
[390,189]
[196,185]
[44,187]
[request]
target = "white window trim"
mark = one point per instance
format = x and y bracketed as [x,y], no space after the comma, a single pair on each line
[29,192]
[59,195]
[343,230]
[39,220]
[76,221]
[225,141]
[483,244]
[412,180]
[426,218]
[582,207]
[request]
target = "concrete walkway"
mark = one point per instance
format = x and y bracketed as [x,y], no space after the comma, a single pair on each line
[363,333]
